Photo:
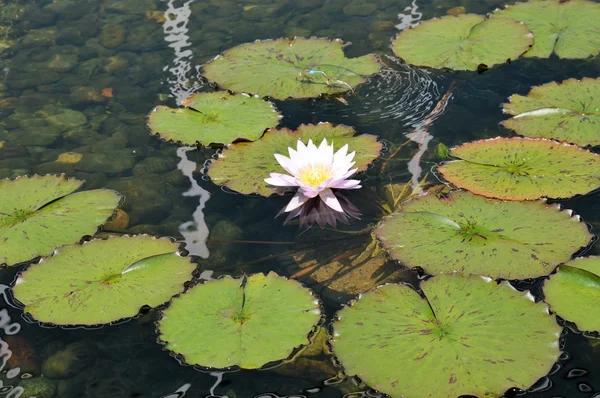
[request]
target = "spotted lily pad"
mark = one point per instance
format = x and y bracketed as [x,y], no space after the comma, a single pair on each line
[462,42]
[214,118]
[570,29]
[574,292]
[103,281]
[246,322]
[297,68]
[243,166]
[569,111]
[467,337]
[475,235]
[523,169]
[39,214]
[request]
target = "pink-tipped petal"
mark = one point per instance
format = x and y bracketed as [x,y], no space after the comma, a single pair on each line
[345,184]
[298,200]
[281,180]
[309,191]
[328,197]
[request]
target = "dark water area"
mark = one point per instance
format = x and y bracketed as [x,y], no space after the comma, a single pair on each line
[78,77]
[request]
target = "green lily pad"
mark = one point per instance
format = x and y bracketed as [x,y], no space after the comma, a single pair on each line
[296,68]
[569,111]
[466,337]
[523,169]
[462,42]
[574,292]
[39,214]
[569,29]
[214,118]
[103,281]
[245,322]
[475,235]
[243,166]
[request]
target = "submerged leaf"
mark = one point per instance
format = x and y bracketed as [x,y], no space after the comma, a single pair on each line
[523,169]
[245,322]
[39,214]
[570,29]
[475,235]
[574,292]
[569,111]
[462,42]
[467,337]
[214,118]
[103,281]
[243,166]
[297,68]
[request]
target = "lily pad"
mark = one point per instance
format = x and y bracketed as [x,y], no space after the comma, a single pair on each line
[103,281]
[246,322]
[243,166]
[296,68]
[463,42]
[523,169]
[574,292]
[467,337]
[214,118]
[475,235]
[567,28]
[569,111]
[39,214]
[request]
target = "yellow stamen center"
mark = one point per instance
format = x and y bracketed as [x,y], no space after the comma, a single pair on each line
[315,174]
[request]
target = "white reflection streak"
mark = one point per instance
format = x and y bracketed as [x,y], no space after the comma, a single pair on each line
[422,137]
[411,17]
[175,29]
[194,232]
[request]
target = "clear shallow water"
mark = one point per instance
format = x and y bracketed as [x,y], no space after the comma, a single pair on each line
[61,55]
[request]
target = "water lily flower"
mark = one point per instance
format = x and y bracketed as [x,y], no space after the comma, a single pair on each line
[315,211]
[315,171]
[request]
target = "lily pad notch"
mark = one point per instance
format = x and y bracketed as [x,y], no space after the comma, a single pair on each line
[103,280]
[40,213]
[244,322]
[290,68]
[218,118]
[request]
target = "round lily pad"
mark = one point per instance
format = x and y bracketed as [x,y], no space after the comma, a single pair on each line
[463,42]
[243,166]
[103,281]
[214,118]
[296,68]
[467,337]
[475,235]
[574,292]
[39,214]
[246,322]
[567,28]
[569,111]
[523,168]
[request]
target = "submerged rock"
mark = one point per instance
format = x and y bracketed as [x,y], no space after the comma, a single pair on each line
[68,361]
[38,387]
[112,36]
[62,62]
[360,9]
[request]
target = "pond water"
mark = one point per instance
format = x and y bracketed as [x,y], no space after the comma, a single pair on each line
[81,76]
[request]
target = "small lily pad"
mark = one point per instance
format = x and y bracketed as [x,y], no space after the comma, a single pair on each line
[462,42]
[246,322]
[523,169]
[574,292]
[570,29]
[296,68]
[103,281]
[214,118]
[475,235]
[569,111]
[39,214]
[243,166]
[466,337]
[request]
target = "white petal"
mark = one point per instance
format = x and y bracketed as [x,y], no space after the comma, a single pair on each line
[340,154]
[326,152]
[281,180]
[287,164]
[345,184]
[310,191]
[298,200]
[330,200]
[300,147]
